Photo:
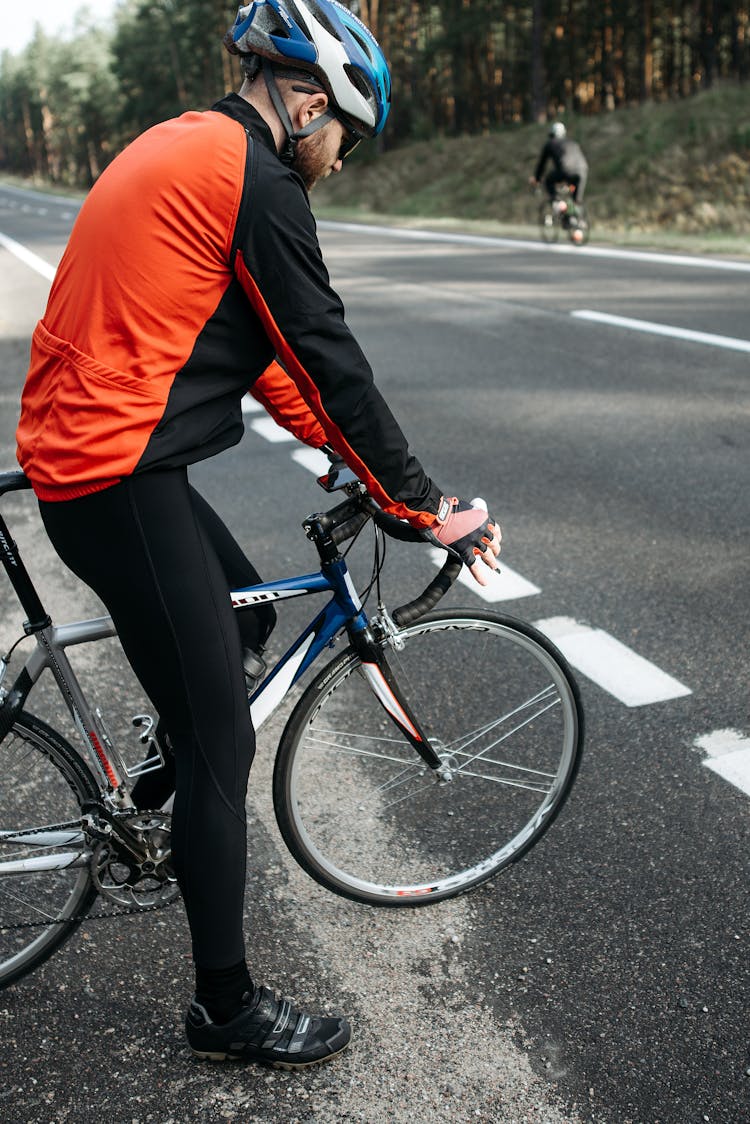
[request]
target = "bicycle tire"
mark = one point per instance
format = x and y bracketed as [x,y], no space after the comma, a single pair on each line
[584,225]
[43,781]
[362,814]
[549,225]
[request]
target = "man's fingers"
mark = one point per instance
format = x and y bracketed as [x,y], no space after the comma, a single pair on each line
[493,543]
[477,574]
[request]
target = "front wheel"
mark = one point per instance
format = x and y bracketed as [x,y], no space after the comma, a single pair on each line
[46,886]
[549,225]
[363,814]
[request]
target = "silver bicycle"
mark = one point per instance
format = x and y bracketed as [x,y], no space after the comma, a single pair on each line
[433,750]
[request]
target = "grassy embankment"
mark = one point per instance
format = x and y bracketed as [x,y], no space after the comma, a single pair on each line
[674,175]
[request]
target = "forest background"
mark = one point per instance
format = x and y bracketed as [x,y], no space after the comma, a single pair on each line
[656,91]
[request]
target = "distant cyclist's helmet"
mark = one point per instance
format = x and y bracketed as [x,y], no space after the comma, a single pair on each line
[557,130]
[327,40]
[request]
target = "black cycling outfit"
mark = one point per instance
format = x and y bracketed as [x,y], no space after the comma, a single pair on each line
[569,165]
[193,261]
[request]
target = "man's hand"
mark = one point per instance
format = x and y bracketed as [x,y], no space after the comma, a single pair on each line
[467,529]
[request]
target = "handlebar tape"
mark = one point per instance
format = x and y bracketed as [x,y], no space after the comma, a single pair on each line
[437,588]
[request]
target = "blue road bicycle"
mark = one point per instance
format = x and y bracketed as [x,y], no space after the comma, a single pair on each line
[433,750]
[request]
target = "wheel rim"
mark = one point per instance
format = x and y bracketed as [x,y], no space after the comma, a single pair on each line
[369,817]
[35,790]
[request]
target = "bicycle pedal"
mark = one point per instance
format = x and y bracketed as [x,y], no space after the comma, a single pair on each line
[94,828]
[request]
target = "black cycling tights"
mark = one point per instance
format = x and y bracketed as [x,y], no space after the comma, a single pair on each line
[162,562]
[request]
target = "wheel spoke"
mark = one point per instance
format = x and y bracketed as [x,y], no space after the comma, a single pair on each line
[44,868]
[369,819]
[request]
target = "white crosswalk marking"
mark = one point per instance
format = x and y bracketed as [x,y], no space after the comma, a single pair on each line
[313,460]
[268,428]
[502,585]
[250,406]
[611,665]
[728,754]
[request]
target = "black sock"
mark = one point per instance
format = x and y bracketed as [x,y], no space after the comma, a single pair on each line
[220,990]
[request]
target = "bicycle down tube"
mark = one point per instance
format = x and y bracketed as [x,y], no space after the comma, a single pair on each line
[344,611]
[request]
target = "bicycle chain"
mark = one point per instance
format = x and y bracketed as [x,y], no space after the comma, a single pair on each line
[125,911]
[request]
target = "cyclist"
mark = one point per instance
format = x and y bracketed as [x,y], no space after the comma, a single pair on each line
[569,165]
[193,273]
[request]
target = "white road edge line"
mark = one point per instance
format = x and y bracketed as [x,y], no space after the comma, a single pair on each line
[611,665]
[662,329]
[28,257]
[58,200]
[728,755]
[652,257]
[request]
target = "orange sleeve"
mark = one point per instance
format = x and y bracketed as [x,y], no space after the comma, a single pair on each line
[279,395]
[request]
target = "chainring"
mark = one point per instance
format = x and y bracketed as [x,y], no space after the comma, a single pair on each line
[137,882]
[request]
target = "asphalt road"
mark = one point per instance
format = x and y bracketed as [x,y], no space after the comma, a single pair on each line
[605,977]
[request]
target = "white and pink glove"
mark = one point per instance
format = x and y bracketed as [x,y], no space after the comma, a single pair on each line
[467,529]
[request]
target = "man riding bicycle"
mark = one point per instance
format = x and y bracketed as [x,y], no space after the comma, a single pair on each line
[569,165]
[192,275]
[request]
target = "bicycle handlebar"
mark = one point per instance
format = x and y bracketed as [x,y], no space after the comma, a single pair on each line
[439,585]
[344,521]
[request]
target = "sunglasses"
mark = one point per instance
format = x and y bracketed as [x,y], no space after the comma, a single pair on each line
[349,142]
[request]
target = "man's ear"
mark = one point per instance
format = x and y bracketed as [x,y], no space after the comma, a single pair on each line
[311,108]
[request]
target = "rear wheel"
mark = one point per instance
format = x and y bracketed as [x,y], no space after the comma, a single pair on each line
[578,225]
[46,886]
[363,814]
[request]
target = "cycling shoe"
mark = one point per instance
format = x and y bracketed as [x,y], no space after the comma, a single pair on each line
[267,1030]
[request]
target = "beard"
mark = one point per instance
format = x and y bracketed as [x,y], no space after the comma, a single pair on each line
[310,160]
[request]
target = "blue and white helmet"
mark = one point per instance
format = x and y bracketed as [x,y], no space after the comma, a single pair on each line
[325,39]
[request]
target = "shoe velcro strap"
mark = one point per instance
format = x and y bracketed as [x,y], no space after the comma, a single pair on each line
[286,1019]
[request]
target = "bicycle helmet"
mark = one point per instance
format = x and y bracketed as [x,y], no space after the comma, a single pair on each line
[324,39]
[557,130]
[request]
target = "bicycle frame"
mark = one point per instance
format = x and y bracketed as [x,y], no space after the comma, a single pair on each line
[343,612]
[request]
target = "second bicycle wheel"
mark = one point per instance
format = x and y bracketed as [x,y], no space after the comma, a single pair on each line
[363,814]
[45,878]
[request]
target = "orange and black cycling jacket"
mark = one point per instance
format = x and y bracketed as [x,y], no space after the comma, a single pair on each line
[193,263]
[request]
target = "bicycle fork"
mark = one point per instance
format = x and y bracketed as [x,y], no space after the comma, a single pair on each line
[385,687]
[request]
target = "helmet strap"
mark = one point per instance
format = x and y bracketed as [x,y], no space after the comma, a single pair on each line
[288,150]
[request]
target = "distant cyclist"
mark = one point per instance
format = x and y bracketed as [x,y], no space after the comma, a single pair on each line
[569,165]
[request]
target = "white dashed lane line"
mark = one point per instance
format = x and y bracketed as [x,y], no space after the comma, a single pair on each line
[729,342]
[613,666]
[728,754]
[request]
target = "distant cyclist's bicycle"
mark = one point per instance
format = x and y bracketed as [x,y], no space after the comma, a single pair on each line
[433,750]
[564,215]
